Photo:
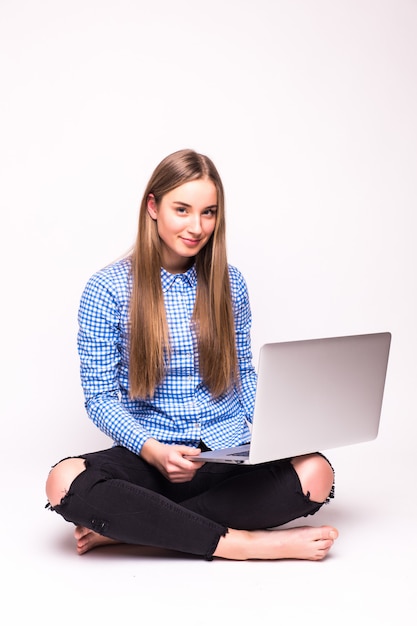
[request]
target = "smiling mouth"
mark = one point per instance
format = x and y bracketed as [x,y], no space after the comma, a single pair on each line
[191,242]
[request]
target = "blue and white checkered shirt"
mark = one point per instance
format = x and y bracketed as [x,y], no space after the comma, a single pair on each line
[182,410]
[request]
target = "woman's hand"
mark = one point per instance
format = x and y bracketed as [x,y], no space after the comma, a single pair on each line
[170,461]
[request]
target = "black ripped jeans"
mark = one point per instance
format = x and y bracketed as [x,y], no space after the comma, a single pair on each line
[122,497]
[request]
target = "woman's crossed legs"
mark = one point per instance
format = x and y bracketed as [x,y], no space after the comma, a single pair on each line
[224,512]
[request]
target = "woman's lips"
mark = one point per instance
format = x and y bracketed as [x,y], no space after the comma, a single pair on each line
[190,242]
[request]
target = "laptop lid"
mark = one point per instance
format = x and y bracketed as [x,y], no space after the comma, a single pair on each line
[318,394]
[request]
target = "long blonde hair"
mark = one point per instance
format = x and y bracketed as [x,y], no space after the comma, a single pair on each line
[213,310]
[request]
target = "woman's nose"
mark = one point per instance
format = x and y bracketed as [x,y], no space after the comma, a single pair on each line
[194,225]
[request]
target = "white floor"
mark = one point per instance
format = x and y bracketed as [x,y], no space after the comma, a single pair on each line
[369,576]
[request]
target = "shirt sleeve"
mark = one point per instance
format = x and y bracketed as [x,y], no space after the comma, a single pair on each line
[243,323]
[100,344]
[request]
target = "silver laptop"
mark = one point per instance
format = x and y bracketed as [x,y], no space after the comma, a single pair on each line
[314,395]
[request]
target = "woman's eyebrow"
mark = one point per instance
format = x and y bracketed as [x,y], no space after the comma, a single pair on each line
[211,206]
[182,203]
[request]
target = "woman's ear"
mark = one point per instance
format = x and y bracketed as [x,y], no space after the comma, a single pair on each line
[152,206]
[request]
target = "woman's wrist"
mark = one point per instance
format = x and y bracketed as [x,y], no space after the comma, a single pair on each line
[149,450]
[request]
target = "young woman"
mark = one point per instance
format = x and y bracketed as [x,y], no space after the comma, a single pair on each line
[166,368]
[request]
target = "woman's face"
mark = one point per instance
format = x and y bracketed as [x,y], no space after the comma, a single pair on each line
[185,217]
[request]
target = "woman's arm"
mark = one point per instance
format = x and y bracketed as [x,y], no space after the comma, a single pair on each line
[102,342]
[243,323]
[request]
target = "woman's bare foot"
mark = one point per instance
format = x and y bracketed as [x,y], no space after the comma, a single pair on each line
[87,540]
[305,542]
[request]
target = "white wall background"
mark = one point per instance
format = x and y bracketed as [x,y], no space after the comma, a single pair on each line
[308,108]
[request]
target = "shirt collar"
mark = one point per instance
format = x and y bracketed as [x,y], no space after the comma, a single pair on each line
[167,279]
